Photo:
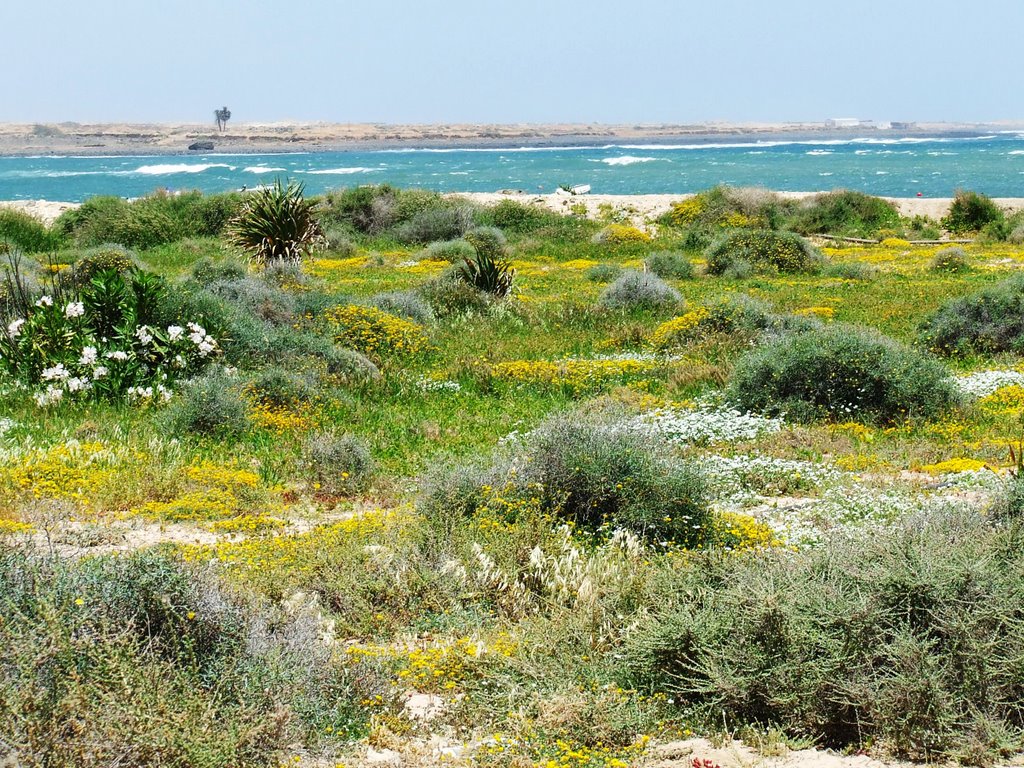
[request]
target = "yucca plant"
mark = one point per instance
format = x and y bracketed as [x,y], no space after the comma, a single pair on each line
[487,269]
[277,223]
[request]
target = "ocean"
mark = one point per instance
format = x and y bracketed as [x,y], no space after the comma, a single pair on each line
[881,165]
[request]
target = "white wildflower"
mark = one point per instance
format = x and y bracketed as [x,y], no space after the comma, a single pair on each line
[44,301]
[99,372]
[77,384]
[984,383]
[74,309]
[142,333]
[51,394]
[88,356]
[175,332]
[14,327]
[117,355]
[56,373]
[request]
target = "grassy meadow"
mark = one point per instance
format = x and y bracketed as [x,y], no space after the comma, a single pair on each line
[385,476]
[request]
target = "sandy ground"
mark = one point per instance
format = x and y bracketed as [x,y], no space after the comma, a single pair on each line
[292,136]
[639,208]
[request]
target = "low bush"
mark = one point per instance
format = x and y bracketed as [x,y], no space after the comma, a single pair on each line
[281,388]
[639,290]
[374,332]
[520,218]
[988,321]
[339,464]
[850,270]
[670,265]
[971,212]
[209,406]
[436,223]
[867,640]
[735,315]
[603,273]
[951,261]
[588,469]
[207,270]
[27,233]
[764,251]
[351,367]
[257,297]
[454,251]
[621,234]
[725,207]
[95,260]
[449,296]
[844,212]
[408,304]
[842,372]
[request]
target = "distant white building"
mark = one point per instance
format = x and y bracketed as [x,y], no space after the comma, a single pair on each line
[844,122]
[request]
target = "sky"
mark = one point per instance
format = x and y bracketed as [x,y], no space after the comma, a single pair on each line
[517,61]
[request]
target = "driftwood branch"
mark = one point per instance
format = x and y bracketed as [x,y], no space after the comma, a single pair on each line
[876,242]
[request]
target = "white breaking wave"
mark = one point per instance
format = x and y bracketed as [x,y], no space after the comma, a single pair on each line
[819,152]
[169,168]
[341,171]
[264,169]
[1016,152]
[627,160]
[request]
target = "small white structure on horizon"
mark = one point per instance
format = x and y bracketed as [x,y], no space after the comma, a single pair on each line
[844,122]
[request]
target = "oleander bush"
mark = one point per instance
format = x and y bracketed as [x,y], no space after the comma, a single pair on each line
[866,639]
[988,321]
[971,212]
[763,251]
[842,372]
[844,212]
[639,290]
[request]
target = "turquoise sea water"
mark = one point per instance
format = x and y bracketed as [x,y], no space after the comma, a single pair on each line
[889,165]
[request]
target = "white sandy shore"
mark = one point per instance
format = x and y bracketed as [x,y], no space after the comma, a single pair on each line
[638,207]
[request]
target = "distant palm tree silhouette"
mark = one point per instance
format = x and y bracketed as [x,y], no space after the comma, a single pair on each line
[223,115]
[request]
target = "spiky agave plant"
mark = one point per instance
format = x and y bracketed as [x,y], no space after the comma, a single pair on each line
[487,269]
[277,223]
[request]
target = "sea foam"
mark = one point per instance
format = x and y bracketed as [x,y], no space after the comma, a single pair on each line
[169,168]
[627,160]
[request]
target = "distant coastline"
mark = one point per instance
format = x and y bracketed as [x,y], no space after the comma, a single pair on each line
[23,139]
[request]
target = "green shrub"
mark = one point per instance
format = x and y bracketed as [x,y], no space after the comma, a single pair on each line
[277,223]
[844,212]
[520,218]
[207,270]
[725,207]
[441,223]
[27,233]
[603,273]
[639,290]
[986,322]
[670,265]
[353,368]
[257,297]
[971,212]
[340,464]
[907,638]
[209,406]
[339,242]
[281,388]
[404,304]
[842,372]
[95,260]
[586,468]
[951,260]
[449,296]
[765,251]
[369,209]
[454,251]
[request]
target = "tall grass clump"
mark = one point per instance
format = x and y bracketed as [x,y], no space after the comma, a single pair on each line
[907,641]
[762,251]
[844,212]
[27,233]
[277,223]
[842,372]
[971,212]
[986,322]
[639,290]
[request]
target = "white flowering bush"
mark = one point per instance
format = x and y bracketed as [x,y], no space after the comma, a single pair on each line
[95,345]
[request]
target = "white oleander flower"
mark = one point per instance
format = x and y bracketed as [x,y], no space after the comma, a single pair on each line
[14,327]
[74,309]
[99,372]
[77,384]
[88,356]
[51,394]
[175,332]
[117,355]
[143,334]
[56,373]
[44,301]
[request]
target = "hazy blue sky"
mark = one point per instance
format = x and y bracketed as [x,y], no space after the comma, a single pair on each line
[626,61]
